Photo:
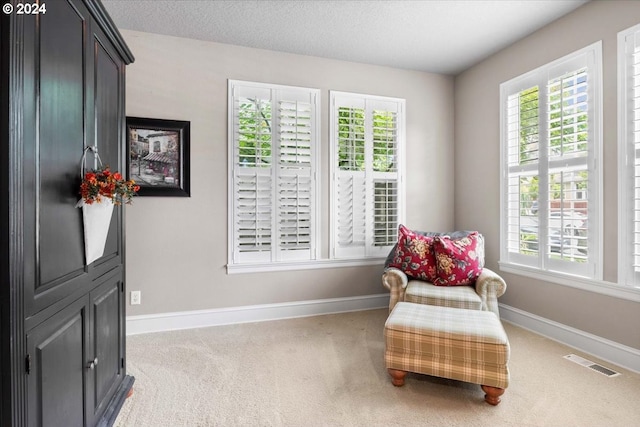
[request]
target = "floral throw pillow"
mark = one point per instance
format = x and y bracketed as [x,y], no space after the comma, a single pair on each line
[414,255]
[458,261]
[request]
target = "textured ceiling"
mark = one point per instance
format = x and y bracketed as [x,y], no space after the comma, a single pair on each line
[436,36]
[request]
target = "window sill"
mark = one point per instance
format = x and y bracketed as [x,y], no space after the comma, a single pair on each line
[304,265]
[592,285]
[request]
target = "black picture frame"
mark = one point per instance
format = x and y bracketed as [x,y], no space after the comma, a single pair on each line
[158,156]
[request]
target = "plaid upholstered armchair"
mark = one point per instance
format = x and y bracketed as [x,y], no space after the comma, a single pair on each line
[442,269]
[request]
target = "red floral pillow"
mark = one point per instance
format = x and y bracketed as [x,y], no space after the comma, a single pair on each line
[458,261]
[414,255]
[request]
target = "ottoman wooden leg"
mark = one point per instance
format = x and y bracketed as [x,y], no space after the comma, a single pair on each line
[397,377]
[492,396]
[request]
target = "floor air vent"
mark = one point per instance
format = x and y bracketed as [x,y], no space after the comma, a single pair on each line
[592,365]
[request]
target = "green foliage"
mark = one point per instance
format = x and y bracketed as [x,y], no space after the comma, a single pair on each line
[255,140]
[528,243]
[351,140]
[384,141]
[529,125]
[254,125]
[568,119]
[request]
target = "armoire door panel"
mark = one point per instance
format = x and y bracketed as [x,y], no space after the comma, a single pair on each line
[56,377]
[107,341]
[108,72]
[107,75]
[60,141]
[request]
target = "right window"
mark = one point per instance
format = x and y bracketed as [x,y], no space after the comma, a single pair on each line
[551,176]
[367,150]
[629,156]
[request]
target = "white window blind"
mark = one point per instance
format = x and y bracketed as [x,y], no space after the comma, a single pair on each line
[629,156]
[551,179]
[273,138]
[367,148]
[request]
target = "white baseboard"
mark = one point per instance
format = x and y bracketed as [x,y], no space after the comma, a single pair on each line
[253,313]
[610,351]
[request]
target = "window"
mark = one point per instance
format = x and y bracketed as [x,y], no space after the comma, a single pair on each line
[629,156]
[551,166]
[367,149]
[273,187]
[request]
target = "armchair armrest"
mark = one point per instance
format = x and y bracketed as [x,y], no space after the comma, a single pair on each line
[490,286]
[396,281]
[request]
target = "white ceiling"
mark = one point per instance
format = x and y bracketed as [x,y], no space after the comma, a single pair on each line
[440,36]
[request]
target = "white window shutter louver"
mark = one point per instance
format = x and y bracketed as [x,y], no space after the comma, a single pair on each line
[351,214]
[295,181]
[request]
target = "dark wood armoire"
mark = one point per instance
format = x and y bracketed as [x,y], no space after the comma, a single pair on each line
[62,322]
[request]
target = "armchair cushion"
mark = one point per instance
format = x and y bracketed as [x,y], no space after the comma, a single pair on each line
[413,254]
[419,292]
[459,261]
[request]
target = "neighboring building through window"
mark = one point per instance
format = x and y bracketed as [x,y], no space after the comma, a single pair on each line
[273,187]
[551,178]
[629,157]
[367,151]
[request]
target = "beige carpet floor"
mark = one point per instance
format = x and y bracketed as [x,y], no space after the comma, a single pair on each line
[329,371]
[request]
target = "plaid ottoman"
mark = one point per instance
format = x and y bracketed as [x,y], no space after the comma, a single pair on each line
[455,343]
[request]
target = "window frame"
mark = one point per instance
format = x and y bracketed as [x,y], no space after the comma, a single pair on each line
[275,262]
[627,40]
[368,103]
[542,265]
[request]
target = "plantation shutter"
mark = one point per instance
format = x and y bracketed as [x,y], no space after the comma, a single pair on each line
[629,163]
[523,141]
[568,112]
[273,138]
[366,135]
[551,146]
[252,174]
[384,175]
[295,176]
[350,183]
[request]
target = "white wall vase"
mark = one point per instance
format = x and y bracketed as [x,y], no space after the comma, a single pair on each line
[96,219]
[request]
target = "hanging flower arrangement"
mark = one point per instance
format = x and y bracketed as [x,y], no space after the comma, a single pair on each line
[101,190]
[101,184]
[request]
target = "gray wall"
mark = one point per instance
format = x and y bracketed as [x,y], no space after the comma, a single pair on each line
[177,247]
[477,152]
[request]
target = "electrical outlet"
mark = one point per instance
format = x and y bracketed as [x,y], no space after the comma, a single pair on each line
[135,297]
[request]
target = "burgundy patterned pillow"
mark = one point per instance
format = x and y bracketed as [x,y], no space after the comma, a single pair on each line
[458,261]
[414,255]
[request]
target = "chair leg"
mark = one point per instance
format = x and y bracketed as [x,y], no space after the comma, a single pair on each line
[397,377]
[492,396]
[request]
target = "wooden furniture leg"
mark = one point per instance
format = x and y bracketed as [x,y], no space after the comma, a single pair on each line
[397,377]
[492,396]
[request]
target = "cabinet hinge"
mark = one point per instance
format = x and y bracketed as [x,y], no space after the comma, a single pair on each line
[27,364]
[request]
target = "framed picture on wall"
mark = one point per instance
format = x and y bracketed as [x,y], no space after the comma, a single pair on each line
[158,156]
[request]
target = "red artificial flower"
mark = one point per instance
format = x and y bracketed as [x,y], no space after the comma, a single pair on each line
[102,183]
